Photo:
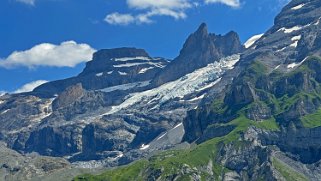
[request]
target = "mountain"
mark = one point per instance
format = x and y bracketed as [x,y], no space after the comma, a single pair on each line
[261,120]
[116,111]
[110,67]
[218,111]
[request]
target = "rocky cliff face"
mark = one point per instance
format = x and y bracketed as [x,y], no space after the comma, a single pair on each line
[276,83]
[272,71]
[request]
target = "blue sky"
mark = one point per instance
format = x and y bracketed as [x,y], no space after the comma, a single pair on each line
[41,38]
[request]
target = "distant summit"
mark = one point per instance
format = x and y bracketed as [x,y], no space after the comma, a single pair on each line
[110,67]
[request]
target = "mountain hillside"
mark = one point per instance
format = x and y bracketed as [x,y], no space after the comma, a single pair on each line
[261,120]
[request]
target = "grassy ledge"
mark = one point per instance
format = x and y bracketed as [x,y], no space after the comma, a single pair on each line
[312,120]
[288,173]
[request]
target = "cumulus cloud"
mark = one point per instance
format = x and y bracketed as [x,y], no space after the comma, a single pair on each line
[159,4]
[232,3]
[30,86]
[150,8]
[29,2]
[121,19]
[67,54]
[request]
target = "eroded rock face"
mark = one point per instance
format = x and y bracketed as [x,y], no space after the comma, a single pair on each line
[248,161]
[258,112]
[14,166]
[51,142]
[302,144]
[69,96]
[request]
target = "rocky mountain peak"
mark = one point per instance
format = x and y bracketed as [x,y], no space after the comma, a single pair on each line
[298,13]
[200,49]
[202,30]
[294,36]
[110,67]
[104,59]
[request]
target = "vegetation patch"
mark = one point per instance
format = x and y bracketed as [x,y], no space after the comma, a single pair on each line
[288,173]
[312,120]
[126,173]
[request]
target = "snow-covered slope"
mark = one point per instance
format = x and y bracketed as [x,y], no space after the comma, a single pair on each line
[192,83]
[252,40]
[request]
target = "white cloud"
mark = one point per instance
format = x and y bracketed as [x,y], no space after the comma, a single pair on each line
[29,2]
[67,54]
[30,86]
[150,8]
[120,19]
[159,4]
[232,3]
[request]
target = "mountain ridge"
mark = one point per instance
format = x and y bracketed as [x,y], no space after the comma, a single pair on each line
[216,112]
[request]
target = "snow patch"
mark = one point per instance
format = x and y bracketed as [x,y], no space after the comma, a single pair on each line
[277,67]
[290,30]
[180,124]
[318,22]
[282,49]
[145,70]
[298,6]
[197,98]
[159,65]
[294,44]
[296,38]
[122,73]
[99,74]
[126,86]
[119,156]
[210,85]
[252,40]
[161,136]
[128,65]
[292,65]
[124,59]
[144,147]
[110,72]
[5,111]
